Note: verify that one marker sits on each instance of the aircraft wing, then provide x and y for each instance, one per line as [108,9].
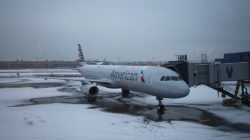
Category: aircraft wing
[105,82]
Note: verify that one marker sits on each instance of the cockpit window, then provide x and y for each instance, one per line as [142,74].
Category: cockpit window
[163,78]
[174,78]
[167,78]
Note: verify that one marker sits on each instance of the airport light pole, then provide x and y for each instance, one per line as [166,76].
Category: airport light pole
[119,60]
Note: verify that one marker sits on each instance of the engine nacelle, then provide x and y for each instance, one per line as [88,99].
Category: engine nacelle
[90,89]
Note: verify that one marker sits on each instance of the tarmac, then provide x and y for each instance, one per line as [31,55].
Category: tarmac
[114,103]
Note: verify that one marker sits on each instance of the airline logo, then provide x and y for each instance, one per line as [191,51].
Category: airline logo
[127,76]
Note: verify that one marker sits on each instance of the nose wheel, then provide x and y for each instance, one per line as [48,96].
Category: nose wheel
[161,108]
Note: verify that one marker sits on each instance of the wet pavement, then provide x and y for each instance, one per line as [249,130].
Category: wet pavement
[114,103]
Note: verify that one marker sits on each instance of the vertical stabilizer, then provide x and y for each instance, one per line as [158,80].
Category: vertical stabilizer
[81,57]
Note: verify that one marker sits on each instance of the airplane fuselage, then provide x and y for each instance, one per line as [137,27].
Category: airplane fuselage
[156,81]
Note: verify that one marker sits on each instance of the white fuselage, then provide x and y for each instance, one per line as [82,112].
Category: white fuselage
[156,81]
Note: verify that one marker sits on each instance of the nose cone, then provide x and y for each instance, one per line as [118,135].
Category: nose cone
[183,89]
[171,89]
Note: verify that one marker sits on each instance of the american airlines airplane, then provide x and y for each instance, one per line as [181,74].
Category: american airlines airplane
[156,81]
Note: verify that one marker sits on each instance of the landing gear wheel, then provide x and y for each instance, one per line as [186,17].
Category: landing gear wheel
[125,93]
[91,99]
[161,108]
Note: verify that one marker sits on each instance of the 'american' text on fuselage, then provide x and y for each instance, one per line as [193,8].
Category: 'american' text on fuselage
[124,75]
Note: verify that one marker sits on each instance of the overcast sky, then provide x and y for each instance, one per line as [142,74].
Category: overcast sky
[135,30]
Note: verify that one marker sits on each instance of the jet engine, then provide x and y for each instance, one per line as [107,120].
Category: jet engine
[91,90]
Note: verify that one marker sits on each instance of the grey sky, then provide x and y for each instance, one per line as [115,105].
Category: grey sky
[130,29]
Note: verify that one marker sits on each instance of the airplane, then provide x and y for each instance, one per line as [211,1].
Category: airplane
[156,81]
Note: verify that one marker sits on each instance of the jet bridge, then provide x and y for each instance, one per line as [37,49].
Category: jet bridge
[221,75]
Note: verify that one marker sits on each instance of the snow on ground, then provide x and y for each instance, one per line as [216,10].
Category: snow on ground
[10,80]
[80,121]
[77,121]
[36,72]
[41,80]
[28,80]
[13,96]
[63,121]
[205,98]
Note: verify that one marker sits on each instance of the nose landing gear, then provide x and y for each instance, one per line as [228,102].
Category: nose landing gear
[161,108]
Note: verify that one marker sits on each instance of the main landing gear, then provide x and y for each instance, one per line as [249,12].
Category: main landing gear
[91,98]
[161,108]
[125,93]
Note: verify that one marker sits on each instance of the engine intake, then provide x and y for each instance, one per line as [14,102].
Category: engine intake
[91,89]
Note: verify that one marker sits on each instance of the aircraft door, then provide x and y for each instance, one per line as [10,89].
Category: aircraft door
[150,76]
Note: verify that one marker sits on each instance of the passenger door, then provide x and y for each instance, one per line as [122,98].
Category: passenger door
[149,77]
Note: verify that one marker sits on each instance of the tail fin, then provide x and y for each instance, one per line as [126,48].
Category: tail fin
[81,57]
